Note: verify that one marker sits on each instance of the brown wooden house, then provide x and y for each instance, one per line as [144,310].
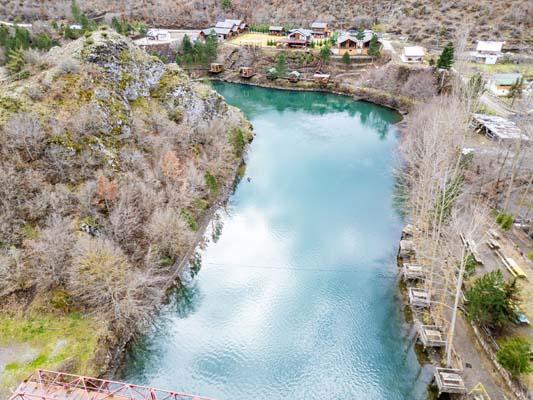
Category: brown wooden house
[299,38]
[246,72]
[347,44]
[216,68]
[276,30]
[320,30]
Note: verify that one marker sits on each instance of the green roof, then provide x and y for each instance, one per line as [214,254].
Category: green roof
[506,79]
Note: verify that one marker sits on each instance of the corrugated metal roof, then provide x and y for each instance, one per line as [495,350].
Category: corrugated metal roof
[319,25]
[489,46]
[414,51]
[506,79]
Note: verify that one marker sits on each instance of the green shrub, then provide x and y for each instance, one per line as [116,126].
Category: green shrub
[211,183]
[514,356]
[236,139]
[189,218]
[505,220]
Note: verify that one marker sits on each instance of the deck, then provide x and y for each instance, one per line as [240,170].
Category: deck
[50,385]
[449,381]
[431,335]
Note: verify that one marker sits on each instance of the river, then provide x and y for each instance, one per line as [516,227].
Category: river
[296,296]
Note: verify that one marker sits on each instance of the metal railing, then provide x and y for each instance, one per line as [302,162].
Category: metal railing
[50,385]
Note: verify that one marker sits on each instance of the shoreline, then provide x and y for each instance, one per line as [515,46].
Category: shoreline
[395,103]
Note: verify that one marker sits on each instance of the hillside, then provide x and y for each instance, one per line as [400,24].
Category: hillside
[109,163]
[430,21]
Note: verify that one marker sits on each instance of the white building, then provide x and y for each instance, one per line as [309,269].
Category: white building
[158,34]
[413,54]
[488,52]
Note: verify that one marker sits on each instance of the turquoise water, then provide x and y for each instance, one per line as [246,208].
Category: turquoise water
[297,299]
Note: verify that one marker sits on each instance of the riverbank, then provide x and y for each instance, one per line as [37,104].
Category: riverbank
[127,160]
[400,104]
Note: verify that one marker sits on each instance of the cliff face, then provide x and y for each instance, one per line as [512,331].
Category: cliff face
[422,20]
[109,159]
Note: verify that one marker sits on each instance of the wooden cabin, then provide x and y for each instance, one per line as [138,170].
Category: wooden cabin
[321,79]
[449,380]
[294,76]
[216,68]
[299,38]
[419,297]
[320,30]
[276,30]
[246,72]
[347,44]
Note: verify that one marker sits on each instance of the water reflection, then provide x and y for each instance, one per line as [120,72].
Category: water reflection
[296,297]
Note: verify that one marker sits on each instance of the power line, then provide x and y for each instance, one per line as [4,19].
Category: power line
[300,268]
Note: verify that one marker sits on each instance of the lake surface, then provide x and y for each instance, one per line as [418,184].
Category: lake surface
[297,298]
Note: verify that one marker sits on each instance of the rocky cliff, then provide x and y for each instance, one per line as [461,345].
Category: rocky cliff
[109,161]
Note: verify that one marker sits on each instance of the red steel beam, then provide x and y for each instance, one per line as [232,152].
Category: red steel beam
[51,385]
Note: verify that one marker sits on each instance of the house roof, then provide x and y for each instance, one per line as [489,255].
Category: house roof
[156,32]
[237,22]
[489,46]
[218,31]
[319,25]
[350,35]
[304,32]
[225,24]
[345,37]
[275,28]
[414,51]
[506,79]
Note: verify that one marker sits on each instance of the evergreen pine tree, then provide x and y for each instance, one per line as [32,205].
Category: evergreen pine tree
[346,58]
[446,58]
[325,53]
[373,49]
[186,45]
[281,66]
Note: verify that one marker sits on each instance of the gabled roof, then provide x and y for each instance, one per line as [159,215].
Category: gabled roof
[218,31]
[237,22]
[275,28]
[345,37]
[351,35]
[304,32]
[489,46]
[414,51]
[506,79]
[319,25]
[156,32]
[225,24]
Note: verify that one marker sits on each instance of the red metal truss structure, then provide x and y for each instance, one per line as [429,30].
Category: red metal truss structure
[50,385]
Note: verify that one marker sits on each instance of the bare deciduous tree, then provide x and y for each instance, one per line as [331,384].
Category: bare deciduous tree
[23,132]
